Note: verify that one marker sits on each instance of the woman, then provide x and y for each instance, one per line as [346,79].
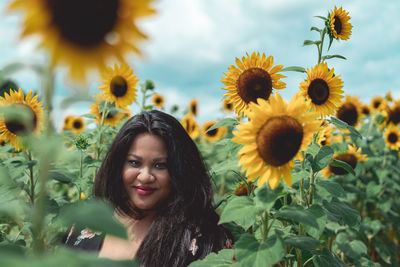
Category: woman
[155,177]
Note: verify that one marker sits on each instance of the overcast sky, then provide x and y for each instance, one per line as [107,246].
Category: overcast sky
[192,42]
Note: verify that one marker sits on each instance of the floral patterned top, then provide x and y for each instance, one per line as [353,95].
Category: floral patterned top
[88,240]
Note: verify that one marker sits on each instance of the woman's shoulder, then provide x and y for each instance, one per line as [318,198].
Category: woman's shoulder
[83,238]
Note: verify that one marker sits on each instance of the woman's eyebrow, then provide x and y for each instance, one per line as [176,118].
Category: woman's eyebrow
[140,158]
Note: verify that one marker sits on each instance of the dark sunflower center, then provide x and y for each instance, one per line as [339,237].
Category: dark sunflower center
[229,106]
[77,124]
[348,158]
[392,138]
[84,23]
[318,91]
[158,100]
[365,110]
[394,115]
[348,113]
[193,109]
[212,132]
[377,103]
[337,25]
[2,143]
[118,86]
[19,127]
[323,143]
[279,140]
[254,83]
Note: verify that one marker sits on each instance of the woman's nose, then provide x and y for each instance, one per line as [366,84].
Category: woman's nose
[145,175]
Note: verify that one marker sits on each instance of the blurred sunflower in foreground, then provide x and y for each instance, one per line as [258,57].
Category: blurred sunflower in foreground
[85,34]
[392,137]
[339,25]
[119,85]
[191,126]
[12,129]
[352,156]
[254,77]
[273,138]
[215,134]
[158,100]
[323,89]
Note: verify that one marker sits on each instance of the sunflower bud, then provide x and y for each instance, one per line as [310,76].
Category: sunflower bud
[149,85]
[81,142]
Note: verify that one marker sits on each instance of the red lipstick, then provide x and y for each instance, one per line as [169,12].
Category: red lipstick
[144,190]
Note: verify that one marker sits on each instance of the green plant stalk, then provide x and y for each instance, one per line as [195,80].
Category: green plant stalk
[104,114]
[31,180]
[312,178]
[299,252]
[371,123]
[143,98]
[322,35]
[301,185]
[39,210]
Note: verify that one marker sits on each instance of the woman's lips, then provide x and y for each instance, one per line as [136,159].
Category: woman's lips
[144,191]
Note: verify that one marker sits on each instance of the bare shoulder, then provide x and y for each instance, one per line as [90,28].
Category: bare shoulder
[118,249]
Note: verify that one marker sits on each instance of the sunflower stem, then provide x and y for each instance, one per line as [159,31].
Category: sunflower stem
[312,178]
[371,123]
[31,180]
[142,106]
[322,35]
[39,210]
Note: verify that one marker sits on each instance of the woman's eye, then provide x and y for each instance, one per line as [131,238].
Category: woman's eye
[161,165]
[134,163]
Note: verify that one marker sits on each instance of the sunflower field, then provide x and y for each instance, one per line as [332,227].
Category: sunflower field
[309,181]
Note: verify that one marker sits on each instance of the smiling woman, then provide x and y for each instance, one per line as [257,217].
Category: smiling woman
[154,175]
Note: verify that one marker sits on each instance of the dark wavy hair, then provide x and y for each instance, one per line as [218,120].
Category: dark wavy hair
[187,208]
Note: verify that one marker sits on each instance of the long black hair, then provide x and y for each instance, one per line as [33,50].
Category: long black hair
[186,210]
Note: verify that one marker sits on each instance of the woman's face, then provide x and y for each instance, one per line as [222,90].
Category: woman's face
[145,173]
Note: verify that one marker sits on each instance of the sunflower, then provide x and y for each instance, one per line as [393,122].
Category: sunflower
[2,142]
[350,110]
[323,89]
[378,104]
[273,137]
[158,100]
[85,34]
[67,122]
[351,157]
[77,125]
[226,105]
[13,130]
[325,137]
[392,137]
[253,78]
[365,110]
[119,85]
[394,113]
[191,126]
[193,109]
[339,25]
[213,135]
[113,116]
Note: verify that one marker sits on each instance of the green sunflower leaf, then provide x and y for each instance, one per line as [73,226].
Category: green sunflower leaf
[333,56]
[322,159]
[327,258]
[240,210]
[321,219]
[93,214]
[344,211]
[224,258]
[338,123]
[224,122]
[321,17]
[294,68]
[344,165]
[298,214]
[251,253]
[315,29]
[302,242]
[354,132]
[309,42]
